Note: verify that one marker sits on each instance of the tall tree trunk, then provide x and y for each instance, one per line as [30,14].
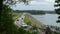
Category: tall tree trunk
[1,5]
[1,11]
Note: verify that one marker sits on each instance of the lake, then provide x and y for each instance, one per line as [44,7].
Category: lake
[48,19]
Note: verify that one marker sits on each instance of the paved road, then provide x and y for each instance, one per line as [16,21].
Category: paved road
[19,21]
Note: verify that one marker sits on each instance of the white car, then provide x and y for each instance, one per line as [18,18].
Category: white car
[24,25]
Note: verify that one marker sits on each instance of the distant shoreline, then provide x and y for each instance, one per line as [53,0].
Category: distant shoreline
[35,12]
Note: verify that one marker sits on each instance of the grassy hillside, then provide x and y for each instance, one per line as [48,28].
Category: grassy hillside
[32,21]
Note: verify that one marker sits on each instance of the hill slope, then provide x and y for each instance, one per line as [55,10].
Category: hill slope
[32,21]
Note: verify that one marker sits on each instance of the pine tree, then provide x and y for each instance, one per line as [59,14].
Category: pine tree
[6,24]
[57,9]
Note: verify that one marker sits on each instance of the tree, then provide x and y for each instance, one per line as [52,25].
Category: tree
[6,22]
[57,9]
[48,31]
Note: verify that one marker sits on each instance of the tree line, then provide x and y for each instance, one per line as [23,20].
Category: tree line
[35,12]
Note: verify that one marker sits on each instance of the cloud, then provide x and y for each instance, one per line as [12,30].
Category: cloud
[38,3]
[50,1]
[45,2]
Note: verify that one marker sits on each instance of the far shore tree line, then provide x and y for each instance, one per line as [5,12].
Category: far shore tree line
[35,12]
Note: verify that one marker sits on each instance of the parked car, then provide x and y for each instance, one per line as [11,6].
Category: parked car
[24,25]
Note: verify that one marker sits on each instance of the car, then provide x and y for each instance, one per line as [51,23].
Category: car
[24,25]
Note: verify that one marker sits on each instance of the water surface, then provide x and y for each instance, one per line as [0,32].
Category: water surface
[48,19]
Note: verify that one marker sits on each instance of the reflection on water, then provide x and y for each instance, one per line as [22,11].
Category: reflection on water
[47,19]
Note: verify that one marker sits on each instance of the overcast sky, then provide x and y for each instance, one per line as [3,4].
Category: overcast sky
[35,5]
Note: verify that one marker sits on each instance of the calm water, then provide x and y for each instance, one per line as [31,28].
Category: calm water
[48,19]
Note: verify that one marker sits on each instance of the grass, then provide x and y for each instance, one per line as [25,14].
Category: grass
[32,21]
[16,15]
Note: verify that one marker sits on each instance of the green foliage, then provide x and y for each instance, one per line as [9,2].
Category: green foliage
[6,22]
[56,33]
[58,9]
[27,21]
[34,27]
[34,33]
[22,31]
[13,2]
[35,12]
[57,5]
[57,1]
[58,21]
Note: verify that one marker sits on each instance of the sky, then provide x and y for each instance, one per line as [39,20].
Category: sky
[35,5]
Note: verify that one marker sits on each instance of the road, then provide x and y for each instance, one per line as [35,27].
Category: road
[19,21]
